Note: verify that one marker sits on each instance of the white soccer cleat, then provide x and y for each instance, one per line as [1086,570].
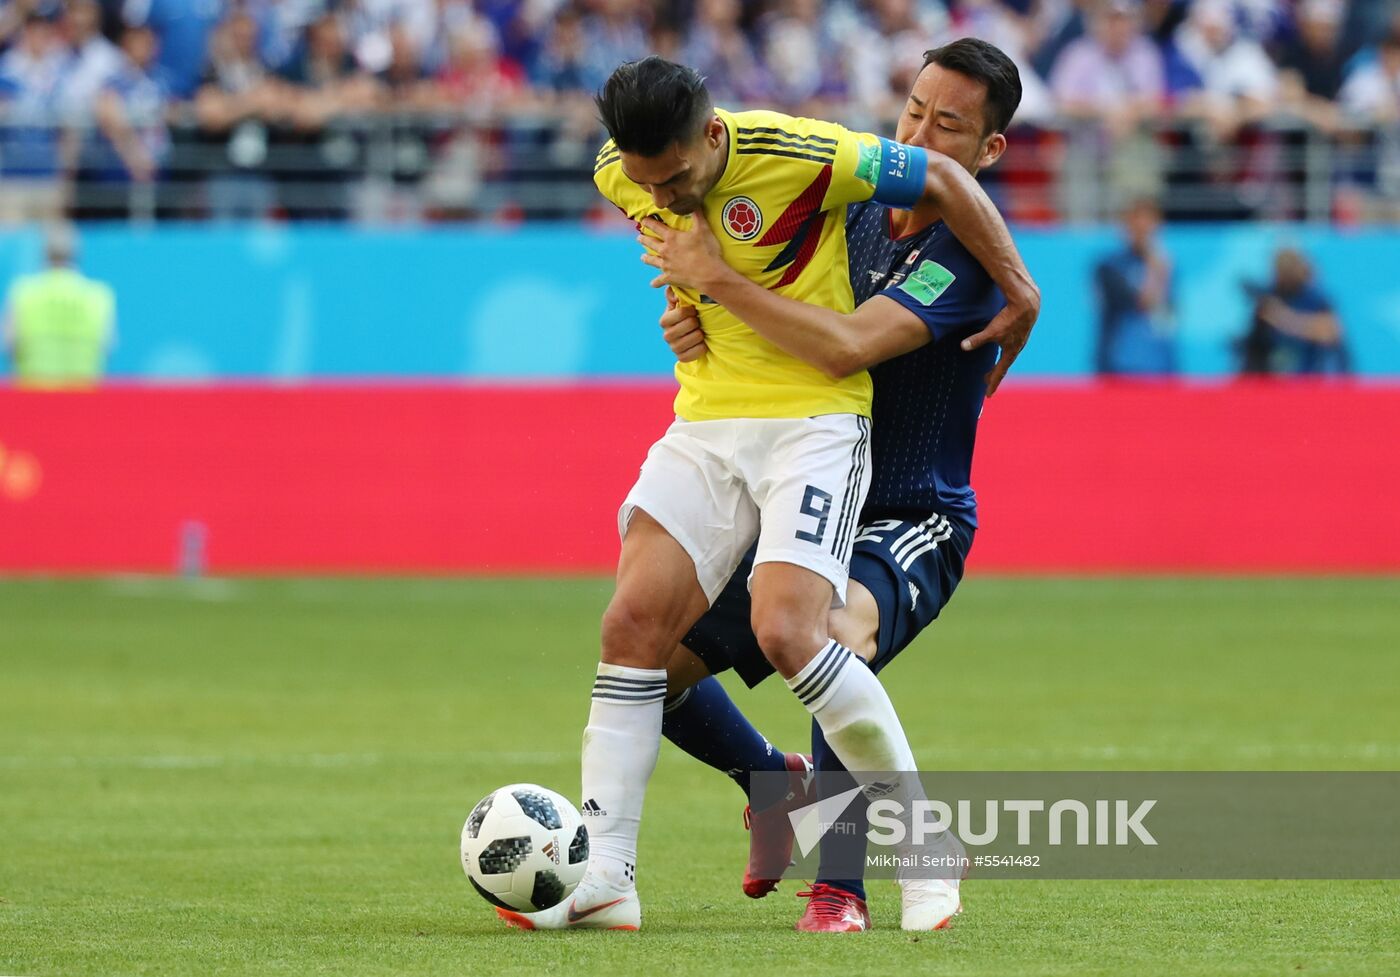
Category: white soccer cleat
[595,905]
[929,904]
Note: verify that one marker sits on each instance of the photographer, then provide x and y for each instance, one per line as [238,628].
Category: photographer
[1294,329]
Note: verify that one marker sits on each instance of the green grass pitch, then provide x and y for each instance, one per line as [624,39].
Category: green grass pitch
[269,776]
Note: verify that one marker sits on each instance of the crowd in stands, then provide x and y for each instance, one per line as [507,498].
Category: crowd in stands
[112,88]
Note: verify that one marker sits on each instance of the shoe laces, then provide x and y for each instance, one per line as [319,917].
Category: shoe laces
[828,902]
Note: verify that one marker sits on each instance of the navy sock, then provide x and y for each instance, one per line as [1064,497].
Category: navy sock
[840,852]
[704,722]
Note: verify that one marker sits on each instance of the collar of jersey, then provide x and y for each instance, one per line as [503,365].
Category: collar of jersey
[895,239]
[729,167]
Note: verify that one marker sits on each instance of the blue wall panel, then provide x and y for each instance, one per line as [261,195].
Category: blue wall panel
[290,303]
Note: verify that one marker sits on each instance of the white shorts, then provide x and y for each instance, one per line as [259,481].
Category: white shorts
[797,485]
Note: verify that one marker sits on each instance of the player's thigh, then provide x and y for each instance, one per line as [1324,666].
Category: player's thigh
[857,624]
[683,669]
[723,638]
[809,483]
[688,485]
[657,597]
[910,568]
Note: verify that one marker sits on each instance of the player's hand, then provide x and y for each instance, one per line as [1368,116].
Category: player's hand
[687,258]
[680,327]
[1010,330]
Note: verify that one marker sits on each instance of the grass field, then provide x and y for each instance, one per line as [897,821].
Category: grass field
[269,777]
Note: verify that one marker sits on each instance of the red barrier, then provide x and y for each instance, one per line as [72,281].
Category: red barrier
[513,479]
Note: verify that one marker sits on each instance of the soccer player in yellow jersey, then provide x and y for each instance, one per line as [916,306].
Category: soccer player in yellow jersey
[764,447]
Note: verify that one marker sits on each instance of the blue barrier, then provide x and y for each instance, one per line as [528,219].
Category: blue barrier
[564,301]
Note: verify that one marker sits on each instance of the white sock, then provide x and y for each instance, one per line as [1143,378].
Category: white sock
[620,746]
[854,711]
[859,722]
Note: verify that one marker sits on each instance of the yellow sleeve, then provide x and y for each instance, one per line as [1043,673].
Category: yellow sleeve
[867,166]
[854,172]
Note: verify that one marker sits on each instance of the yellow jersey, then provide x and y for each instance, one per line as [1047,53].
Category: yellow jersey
[778,212]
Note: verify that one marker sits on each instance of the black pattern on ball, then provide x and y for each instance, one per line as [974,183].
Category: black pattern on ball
[478,814]
[548,890]
[504,855]
[488,896]
[539,808]
[578,848]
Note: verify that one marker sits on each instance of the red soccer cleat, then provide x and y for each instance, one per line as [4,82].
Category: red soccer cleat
[832,910]
[770,831]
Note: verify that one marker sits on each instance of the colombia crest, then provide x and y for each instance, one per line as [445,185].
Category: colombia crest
[741,218]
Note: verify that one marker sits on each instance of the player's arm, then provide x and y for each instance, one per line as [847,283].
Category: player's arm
[978,226]
[906,176]
[838,344]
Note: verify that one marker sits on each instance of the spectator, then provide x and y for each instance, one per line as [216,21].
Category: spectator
[562,67]
[1057,25]
[882,56]
[477,78]
[801,57]
[185,29]
[132,108]
[521,25]
[1312,61]
[95,61]
[1311,64]
[993,21]
[236,107]
[614,31]
[327,73]
[449,16]
[31,79]
[1221,77]
[561,79]
[59,324]
[1114,73]
[1112,78]
[1294,329]
[378,27]
[1372,91]
[1134,287]
[1363,22]
[282,27]
[1371,97]
[402,76]
[717,47]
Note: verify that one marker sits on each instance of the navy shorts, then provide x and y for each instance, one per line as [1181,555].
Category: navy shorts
[911,567]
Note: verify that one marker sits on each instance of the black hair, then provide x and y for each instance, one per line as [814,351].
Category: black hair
[647,105]
[988,64]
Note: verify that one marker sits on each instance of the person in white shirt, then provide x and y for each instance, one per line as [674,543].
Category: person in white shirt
[95,62]
[1238,84]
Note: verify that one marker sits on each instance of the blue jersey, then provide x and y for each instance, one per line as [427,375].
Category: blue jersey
[927,401]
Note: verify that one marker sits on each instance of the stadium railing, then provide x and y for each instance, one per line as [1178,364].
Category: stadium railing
[392,167]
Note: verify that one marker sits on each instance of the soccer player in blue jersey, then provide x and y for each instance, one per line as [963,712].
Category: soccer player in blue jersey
[922,328]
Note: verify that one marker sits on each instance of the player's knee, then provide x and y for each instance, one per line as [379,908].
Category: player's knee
[789,641]
[633,635]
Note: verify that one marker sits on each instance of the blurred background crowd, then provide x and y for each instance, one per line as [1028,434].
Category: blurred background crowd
[389,110]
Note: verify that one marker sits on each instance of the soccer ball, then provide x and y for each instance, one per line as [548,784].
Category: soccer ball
[524,847]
